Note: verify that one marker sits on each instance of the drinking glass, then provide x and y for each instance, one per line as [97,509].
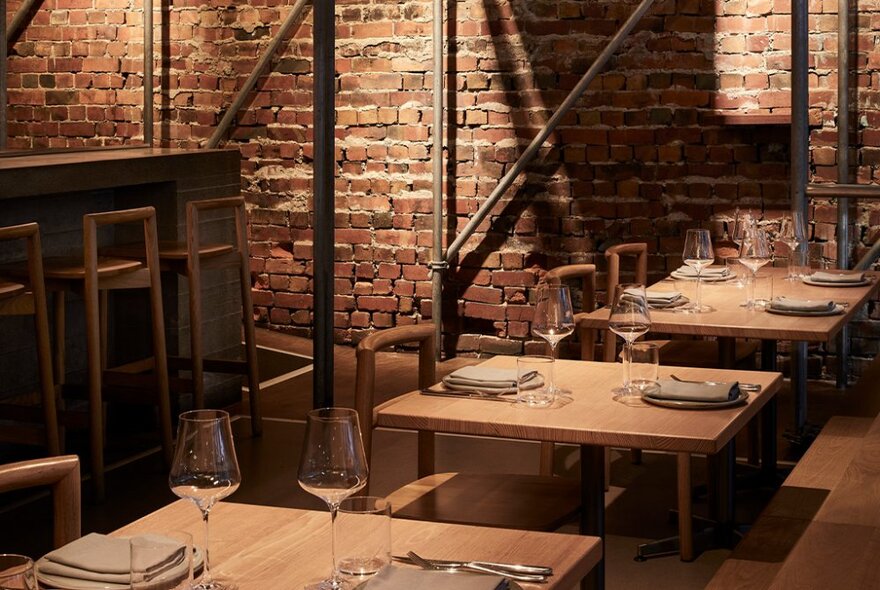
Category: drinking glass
[205,470]
[532,370]
[698,254]
[645,365]
[629,319]
[554,318]
[333,466]
[17,572]
[793,233]
[754,252]
[364,536]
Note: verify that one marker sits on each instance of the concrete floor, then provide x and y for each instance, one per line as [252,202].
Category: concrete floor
[637,503]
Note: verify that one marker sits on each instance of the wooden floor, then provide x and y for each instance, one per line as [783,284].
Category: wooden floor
[637,502]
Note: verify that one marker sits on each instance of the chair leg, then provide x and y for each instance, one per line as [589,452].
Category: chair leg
[105,330]
[685,507]
[96,410]
[250,343]
[47,384]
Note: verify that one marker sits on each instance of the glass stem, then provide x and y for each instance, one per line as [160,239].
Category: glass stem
[698,306]
[627,364]
[334,576]
[750,290]
[551,376]
[206,568]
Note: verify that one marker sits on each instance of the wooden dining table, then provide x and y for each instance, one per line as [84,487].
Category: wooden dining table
[267,547]
[591,418]
[730,320]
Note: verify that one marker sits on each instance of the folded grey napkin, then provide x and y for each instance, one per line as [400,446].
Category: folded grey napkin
[662,296]
[837,277]
[790,304]
[709,271]
[102,558]
[398,578]
[488,379]
[697,392]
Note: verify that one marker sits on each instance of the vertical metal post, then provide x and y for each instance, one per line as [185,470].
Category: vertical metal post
[148,72]
[3,99]
[799,147]
[438,265]
[843,205]
[324,40]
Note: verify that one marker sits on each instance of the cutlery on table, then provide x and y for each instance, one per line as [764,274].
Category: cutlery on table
[467,393]
[754,387]
[473,567]
[540,570]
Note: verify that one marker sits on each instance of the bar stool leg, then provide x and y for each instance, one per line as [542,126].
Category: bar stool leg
[194,279]
[247,313]
[60,368]
[160,350]
[96,410]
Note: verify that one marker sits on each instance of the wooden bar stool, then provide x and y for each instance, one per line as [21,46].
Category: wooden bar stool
[29,298]
[188,259]
[94,276]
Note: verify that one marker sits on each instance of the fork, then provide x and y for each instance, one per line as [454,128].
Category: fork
[427,565]
[755,387]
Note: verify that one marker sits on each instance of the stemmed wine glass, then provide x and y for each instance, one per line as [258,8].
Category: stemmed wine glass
[629,319]
[554,319]
[754,252]
[205,470]
[698,254]
[792,233]
[333,466]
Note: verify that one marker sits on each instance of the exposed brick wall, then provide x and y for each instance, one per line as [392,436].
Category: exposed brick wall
[642,157]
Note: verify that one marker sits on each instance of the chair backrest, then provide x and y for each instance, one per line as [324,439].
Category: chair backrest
[365,382]
[62,474]
[587,273]
[612,255]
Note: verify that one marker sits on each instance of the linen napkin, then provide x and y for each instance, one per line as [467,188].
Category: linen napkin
[837,277]
[662,296]
[102,558]
[697,392]
[790,304]
[709,271]
[488,379]
[398,578]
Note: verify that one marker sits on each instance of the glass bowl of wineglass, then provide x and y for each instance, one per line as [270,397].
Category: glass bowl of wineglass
[698,254]
[754,252]
[554,319]
[333,466]
[630,320]
[204,471]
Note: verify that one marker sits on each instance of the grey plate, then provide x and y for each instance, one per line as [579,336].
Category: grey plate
[809,281]
[836,310]
[693,405]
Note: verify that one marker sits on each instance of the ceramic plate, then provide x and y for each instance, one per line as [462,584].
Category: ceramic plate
[706,279]
[694,405]
[63,583]
[836,310]
[862,283]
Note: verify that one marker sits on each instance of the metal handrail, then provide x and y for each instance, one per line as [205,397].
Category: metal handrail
[233,109]
[844,191]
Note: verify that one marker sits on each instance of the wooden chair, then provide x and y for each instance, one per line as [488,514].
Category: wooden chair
[531,502]
[686,353]
[62,474]
[30,299]
[94,276]
[188,259]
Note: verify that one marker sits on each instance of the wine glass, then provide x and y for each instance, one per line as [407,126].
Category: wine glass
[629,319]
[698,254]
[333,466]
[754,252]
[793,233]
[554,319]
[205,470]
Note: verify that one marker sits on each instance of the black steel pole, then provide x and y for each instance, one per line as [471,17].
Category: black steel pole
[3,99]
[324,41]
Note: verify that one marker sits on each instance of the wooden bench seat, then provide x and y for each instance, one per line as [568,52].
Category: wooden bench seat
[808,525]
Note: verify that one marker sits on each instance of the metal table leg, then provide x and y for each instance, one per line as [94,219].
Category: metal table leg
[593,507]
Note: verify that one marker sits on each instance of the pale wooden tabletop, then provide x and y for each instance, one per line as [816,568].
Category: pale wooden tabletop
[591,416]
[730,319]
[265,547]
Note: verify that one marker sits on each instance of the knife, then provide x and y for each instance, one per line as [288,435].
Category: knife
[468,395]
[538,570]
